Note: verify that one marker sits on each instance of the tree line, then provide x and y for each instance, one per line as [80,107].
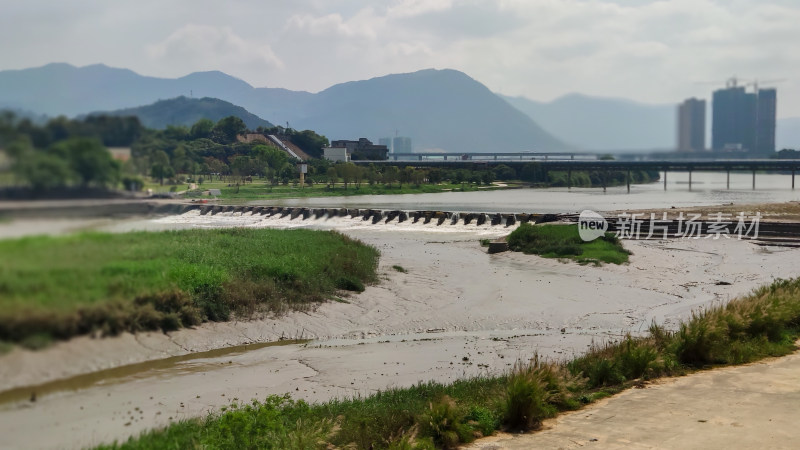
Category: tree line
[73,152]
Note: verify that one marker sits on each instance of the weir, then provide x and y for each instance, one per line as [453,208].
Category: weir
[373,216]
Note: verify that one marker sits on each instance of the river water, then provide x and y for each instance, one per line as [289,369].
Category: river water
[708,188]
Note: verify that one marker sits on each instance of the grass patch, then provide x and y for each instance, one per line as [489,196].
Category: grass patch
[434,415]
[400,269]
[59,287]
[563,241]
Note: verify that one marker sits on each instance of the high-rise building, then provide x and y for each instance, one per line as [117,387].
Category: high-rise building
[765,129]
[385,141]
[692,125]
[402,144]
[744,121]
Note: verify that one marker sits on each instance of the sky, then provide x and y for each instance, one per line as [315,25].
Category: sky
[642,50]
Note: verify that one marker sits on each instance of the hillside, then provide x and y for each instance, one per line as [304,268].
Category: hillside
[598,124]
[438,109]
[186,111]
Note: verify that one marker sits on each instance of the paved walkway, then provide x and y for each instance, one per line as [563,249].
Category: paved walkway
[753,406]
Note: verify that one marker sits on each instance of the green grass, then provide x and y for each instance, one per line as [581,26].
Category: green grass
[563,241]
[78,284]
[435,415]
[400,269]
[261,190]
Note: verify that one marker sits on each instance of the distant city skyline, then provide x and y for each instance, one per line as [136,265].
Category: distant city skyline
[656,52]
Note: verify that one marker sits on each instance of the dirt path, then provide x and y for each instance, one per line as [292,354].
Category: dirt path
[753,406]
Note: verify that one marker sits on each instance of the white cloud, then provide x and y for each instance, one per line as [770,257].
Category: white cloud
[205,47]
[412,8]
[646,50]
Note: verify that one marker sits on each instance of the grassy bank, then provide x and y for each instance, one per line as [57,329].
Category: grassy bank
[59,287]
[261,190]
[563,241]
[433,415]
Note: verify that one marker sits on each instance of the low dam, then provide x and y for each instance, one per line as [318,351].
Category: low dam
[375,216]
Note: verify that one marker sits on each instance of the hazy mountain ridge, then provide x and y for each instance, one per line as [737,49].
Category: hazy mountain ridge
[601,124]
[442,109]
[186,111]
[437,108]
[787,133]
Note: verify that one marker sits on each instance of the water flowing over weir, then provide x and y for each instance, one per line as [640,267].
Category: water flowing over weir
[302,217]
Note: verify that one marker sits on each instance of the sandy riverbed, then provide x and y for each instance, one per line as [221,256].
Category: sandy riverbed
[455,301]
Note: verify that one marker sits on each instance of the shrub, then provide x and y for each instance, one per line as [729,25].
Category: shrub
[444,423]
[527,397]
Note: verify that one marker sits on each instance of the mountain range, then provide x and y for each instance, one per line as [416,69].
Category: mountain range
[439,109]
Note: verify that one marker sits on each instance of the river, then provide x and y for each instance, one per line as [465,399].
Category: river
[455,302]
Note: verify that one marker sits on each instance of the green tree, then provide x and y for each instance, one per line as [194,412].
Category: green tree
[226,130]
[504,172]
[390,175]
[347,172]
[332,176]
[435,176]
[202,129]
[161,167]
[90,160]
[43,170]
[310,142]
[269,156]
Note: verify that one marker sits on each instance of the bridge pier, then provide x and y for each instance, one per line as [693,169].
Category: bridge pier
[628,180]
[792,179]
[690,180]
[754,179]
[605,174]
[665,178]
[728,180]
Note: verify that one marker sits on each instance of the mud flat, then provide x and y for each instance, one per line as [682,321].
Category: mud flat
[456,301]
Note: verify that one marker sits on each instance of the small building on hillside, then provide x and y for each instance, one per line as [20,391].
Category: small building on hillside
[362,149]
[121,154]
[336,154]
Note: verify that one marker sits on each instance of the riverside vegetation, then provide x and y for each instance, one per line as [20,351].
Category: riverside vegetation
[563,241]
[69,157]
[434,415]
[59,287]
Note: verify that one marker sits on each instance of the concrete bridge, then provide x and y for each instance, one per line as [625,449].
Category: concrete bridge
[493,156]
[666,166]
